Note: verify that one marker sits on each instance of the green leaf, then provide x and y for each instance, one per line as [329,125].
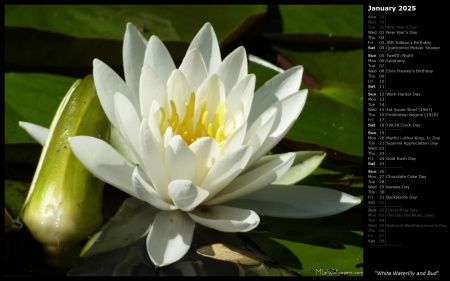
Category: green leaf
[66,38]
[335,160]
[262,69]
[57,53]
[333,113]
[31,97]
[129,223]
[348,183]
[21,160]
[108,21]
[328,123]
[334,242]
[11,224]
[15,194]
[319,28]
[314,43]
[334,20]
[339,74]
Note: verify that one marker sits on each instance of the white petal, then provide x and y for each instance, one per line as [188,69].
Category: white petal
[213,92]
[147,193]
[37,132]
[179,91]
[154,118]
[234,122]
[206,42]
[206,152]
[226,219]
[134,45]
[288,111]
[277,88]
[260,129]
[151,88]
[180,160]
[233,68]
[261,174]
[236,139]
[241,96]
[128,122]
[186,195]
[121,146]
[104,162]
[264,63]
[297,201]
[168,135]
[170,237]
[194,69]
[153,158]
[226,169]
[158,58]
[304,164]
[108,83]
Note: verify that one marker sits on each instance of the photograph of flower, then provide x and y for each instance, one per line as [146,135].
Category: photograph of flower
[140,141]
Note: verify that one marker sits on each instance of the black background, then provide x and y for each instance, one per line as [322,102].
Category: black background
[418,250]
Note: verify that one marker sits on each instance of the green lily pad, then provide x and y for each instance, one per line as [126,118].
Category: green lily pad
[15,194]
[338,74]
[335,20]
[345,182]
[315,245]
[319,28]
[332,116]
[66,38]
[333,113]
[108,21]
[21,160]
[11,224]
[130,223]
[31,97]
[262,72]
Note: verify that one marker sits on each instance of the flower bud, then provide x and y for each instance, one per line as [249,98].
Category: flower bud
[64,203]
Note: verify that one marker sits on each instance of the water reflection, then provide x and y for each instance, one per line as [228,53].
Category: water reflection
[132,260]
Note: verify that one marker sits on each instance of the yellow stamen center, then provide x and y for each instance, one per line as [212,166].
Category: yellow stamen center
[191,130]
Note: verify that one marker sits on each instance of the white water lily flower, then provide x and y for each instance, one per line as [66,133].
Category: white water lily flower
[192,140]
